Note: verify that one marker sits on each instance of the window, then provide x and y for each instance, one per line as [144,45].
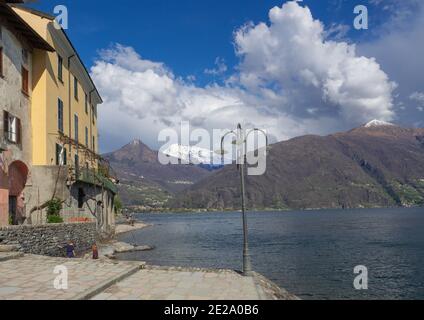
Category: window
[76,127]
[1,62]
[86,104]
[86,137]
[60,68]
[93,114]
[75,88]
[60,115]
[12,128]
[94,144]
[25,56]
[60,155]
[25,80]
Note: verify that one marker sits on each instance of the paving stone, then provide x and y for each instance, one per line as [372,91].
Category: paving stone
[185,285]
[32,277]
[4,291]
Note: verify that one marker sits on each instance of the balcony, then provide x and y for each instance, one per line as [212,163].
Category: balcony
[95,177]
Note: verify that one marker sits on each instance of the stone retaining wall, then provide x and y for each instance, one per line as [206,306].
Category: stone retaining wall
[50,239]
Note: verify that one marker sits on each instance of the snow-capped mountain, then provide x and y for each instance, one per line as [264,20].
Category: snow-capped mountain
[377,123]
[196,155]
[363,167]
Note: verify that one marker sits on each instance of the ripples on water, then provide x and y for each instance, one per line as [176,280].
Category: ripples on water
[311,254]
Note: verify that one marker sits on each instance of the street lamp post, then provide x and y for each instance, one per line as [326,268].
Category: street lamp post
[241,142]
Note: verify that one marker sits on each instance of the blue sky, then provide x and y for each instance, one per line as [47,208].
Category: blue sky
[187,35]
[179,41]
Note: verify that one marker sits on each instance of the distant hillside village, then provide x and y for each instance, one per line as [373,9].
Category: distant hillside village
[50,169]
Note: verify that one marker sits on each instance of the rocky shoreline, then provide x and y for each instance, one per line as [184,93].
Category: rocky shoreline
[108,249]
[124,228]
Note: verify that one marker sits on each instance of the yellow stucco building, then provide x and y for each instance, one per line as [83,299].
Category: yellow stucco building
[64,99]
[62,121]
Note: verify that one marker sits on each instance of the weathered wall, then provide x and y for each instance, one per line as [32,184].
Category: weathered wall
[43,187]
[12,98]
[50,239]
[99,203]
[17,104]
[45,180]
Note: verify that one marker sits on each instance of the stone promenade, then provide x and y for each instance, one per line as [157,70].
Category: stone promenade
[31,277]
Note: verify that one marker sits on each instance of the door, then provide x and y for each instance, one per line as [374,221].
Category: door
[77,168]
[13,205]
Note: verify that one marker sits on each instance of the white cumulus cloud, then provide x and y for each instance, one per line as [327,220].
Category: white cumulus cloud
[417,96]
[290,81]
[220,67]
[292,56]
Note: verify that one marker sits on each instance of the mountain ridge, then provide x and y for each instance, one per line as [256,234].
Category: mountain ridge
[377,165]
[146,182]
[369,166]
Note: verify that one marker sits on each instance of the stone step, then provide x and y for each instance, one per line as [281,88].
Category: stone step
[9,248]
[5,256]
[132,268]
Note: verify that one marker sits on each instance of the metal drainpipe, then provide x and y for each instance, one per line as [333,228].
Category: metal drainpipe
[69,105]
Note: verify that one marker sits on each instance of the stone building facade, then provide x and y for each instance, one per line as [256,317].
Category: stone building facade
[48,127]
[16,47]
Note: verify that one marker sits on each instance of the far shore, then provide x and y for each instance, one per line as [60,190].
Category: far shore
[223,211]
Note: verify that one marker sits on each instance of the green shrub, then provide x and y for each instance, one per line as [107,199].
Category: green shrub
[53,207]
[54,219]
[53,211]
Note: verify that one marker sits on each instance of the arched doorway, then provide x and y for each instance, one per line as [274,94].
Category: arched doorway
[4,196]
[18,174]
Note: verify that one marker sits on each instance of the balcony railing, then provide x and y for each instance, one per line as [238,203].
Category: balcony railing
[94,177]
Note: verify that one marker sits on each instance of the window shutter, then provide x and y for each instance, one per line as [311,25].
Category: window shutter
[6,122]
[76,127]
[25,79]
[60,67]
[18,131]
[75,87]
[60,115]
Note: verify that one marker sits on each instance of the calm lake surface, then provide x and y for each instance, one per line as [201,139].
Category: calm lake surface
[311,254]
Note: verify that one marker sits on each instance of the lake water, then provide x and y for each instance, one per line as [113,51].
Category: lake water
[311,254]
